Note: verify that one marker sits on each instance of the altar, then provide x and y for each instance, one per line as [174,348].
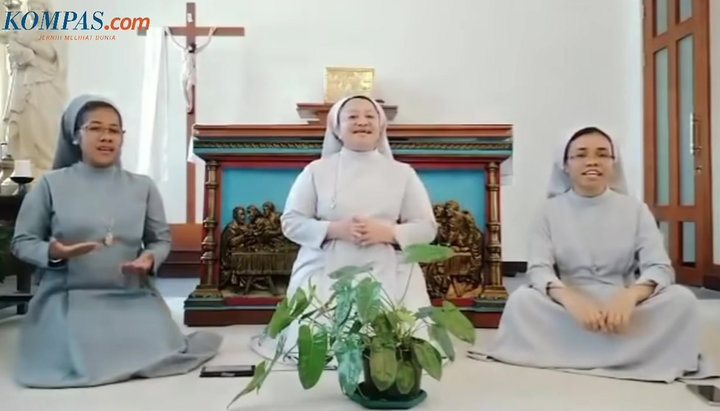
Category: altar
[249,169]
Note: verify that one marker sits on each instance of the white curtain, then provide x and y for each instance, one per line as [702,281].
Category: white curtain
[152,153]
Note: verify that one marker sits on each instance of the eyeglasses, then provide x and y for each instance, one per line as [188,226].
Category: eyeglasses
[97,131]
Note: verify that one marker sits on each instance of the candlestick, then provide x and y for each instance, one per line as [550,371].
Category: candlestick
[22,175]
[23,168]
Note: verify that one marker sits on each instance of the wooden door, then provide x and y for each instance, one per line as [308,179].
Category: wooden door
[677,130]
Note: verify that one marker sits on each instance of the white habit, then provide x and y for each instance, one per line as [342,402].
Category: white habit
[340,185]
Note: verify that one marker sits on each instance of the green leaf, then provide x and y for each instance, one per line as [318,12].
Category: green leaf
[261,372]
[382,326]
[341,284]
[405,376]
[455,321]
[344,293]
[343,289]
[393,319]
[313,355]
[349,355]
[349,271]
[300,303]
[383,364]
[368,299]
[425,312]
[427,253]
[440,334]
[343,308]
[279,349]
[428,357]
[405,316]
[280,320]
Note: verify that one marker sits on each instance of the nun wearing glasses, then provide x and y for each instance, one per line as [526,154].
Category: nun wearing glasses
[95,232]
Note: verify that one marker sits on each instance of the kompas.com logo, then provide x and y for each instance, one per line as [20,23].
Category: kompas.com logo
[71,20]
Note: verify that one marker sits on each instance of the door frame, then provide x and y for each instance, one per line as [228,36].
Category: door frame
[698,25]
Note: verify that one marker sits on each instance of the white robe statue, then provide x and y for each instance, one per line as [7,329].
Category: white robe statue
[37,94]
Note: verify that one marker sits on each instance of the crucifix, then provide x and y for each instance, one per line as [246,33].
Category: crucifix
[190,31]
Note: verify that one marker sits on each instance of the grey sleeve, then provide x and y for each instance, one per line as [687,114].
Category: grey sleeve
[156,234]
[31,241]
[654,262]
[541,259]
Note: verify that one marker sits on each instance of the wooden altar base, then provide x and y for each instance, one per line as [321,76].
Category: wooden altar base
[236,154]
[481,313]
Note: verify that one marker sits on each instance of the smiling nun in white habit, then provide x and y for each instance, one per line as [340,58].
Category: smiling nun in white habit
[356,205]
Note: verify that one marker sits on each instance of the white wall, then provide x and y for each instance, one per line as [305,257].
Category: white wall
[715,122]
[548,67]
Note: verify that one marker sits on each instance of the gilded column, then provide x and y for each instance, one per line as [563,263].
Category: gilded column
[207,291]
[493,284]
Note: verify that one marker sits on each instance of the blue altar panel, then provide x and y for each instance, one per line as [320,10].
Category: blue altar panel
[248,186]
[467,187]
[253,186]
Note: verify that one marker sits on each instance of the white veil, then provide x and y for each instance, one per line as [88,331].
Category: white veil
[332,143]
[560,180]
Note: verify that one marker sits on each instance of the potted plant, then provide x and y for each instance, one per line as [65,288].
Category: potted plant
[369,335]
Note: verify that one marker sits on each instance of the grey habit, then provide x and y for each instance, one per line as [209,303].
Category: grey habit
[88,323]
[597,243]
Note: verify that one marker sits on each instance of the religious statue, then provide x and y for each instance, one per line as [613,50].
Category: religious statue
[255,257]
[189,73]
[233,235]
[37,93]
[460,276]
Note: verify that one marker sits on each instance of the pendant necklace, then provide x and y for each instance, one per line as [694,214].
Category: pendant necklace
[109,222]
[108,240]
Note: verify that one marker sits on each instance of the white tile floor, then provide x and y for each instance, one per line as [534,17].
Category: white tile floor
[466,384]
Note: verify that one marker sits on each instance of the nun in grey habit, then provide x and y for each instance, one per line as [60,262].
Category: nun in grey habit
[594,245]
[92,322]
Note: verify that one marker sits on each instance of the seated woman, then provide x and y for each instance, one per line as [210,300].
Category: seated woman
[353,206]
[95,232]
[593,315]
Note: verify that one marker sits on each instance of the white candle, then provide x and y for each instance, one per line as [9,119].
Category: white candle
[23,168]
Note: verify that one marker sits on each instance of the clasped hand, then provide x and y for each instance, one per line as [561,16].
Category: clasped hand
[613,317]
[363,231]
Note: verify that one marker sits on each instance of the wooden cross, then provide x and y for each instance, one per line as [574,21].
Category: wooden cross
[191,31]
